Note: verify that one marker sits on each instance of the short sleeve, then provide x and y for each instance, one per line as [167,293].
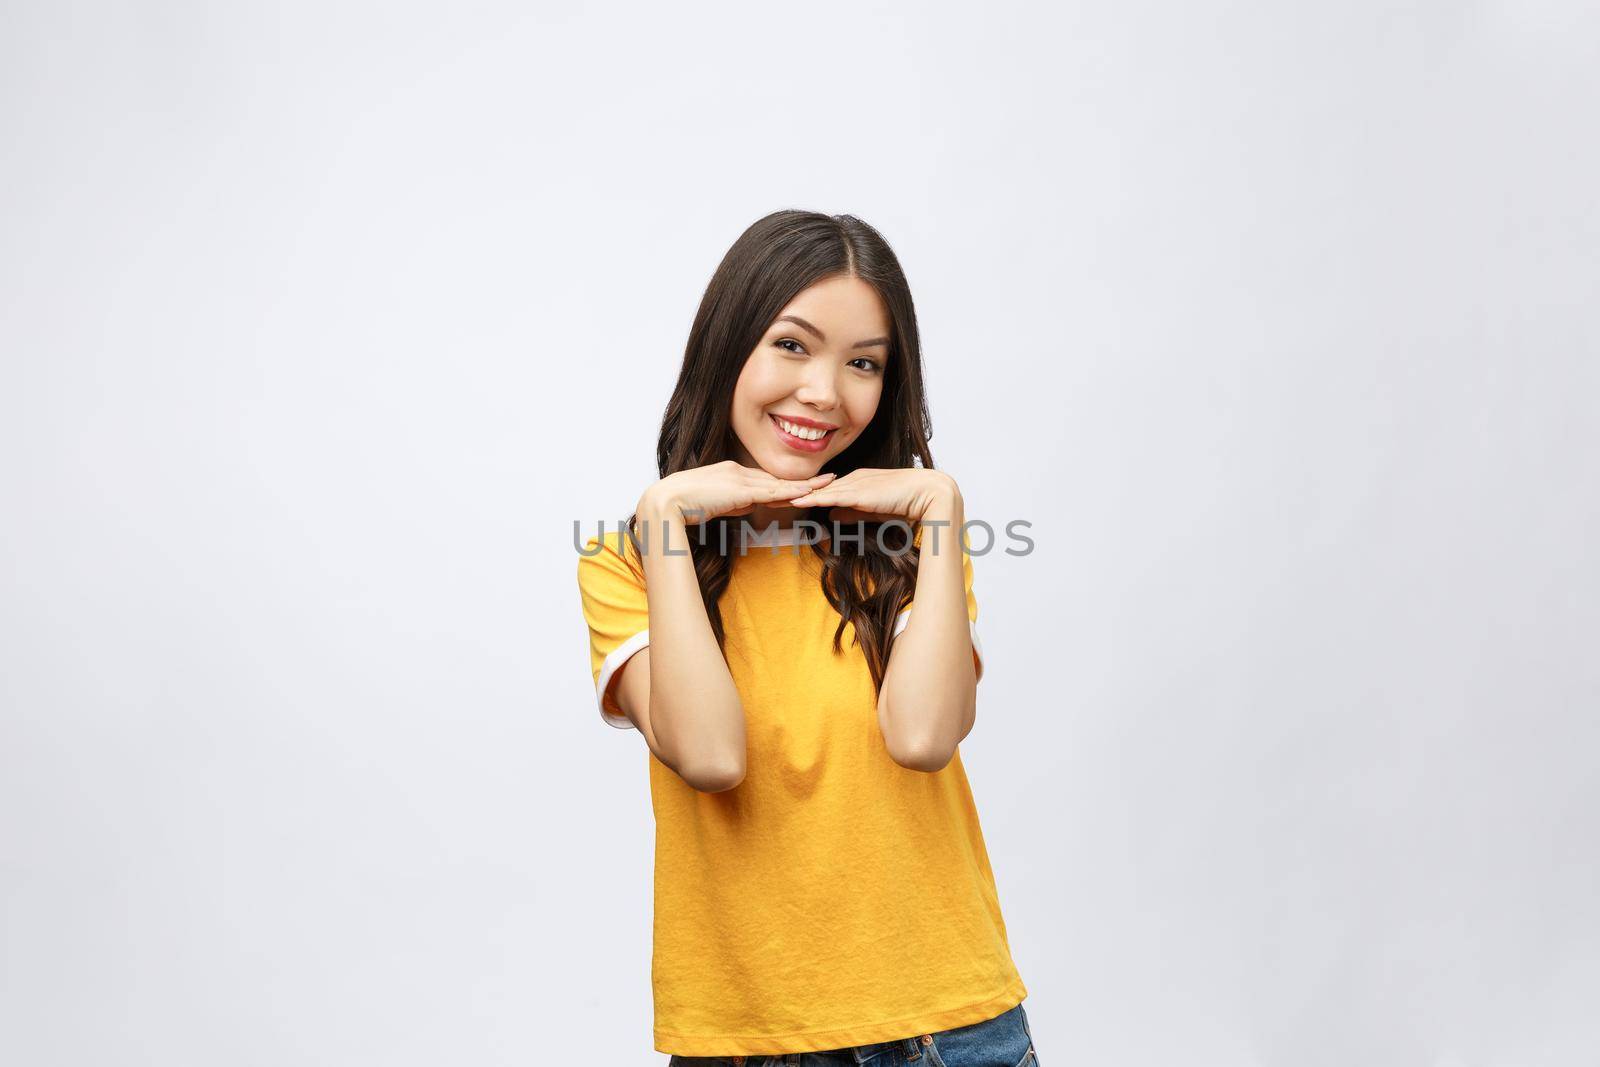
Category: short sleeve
[611,584]
[972,607]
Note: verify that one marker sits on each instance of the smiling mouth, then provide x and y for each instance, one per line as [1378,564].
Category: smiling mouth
[804,436]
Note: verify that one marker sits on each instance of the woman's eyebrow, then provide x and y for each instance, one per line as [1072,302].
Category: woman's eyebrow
[798,321]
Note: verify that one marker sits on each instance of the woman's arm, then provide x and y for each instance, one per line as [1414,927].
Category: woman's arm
[678,690]
[928,701]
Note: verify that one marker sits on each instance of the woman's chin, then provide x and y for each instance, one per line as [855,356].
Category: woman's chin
[791,471]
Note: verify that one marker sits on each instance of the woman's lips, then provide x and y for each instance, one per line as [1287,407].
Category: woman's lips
[800,444]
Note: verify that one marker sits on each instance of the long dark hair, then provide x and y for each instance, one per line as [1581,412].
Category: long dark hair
[776,258]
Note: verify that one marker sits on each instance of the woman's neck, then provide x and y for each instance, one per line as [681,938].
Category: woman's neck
[764,517]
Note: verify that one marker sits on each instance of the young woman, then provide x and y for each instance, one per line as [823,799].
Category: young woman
[802,670]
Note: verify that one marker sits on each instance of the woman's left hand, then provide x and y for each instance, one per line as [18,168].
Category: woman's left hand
[879,494]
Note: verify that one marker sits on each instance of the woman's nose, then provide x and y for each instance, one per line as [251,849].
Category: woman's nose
[818,389]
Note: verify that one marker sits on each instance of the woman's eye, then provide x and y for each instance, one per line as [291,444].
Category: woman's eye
[872,365]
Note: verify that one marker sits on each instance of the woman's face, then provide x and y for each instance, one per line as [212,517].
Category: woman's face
[820,365]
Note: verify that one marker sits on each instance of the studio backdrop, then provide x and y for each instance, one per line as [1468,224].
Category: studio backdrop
[328,331]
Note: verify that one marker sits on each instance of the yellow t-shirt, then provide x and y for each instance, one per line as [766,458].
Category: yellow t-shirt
[834,897]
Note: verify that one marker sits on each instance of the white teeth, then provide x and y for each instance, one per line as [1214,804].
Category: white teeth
[803,432]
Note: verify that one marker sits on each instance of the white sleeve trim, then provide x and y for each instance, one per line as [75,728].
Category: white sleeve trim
[904,617]
[612,664]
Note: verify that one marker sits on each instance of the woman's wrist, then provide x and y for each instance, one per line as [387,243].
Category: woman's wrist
[658,505]
[942,498]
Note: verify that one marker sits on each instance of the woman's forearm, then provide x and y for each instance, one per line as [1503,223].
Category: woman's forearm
[929,696]
[695,710]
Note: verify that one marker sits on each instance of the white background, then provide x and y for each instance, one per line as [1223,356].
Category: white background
[322,323]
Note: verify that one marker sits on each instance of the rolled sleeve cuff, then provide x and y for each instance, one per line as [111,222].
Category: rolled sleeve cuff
[609,712]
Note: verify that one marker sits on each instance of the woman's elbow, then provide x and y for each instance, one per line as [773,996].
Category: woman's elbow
[926,753]
[713,776]
[711,761]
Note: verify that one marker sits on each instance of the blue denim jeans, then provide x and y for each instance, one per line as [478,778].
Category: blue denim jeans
[1004,1041]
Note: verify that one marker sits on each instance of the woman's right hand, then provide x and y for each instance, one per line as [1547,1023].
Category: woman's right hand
[699,494]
